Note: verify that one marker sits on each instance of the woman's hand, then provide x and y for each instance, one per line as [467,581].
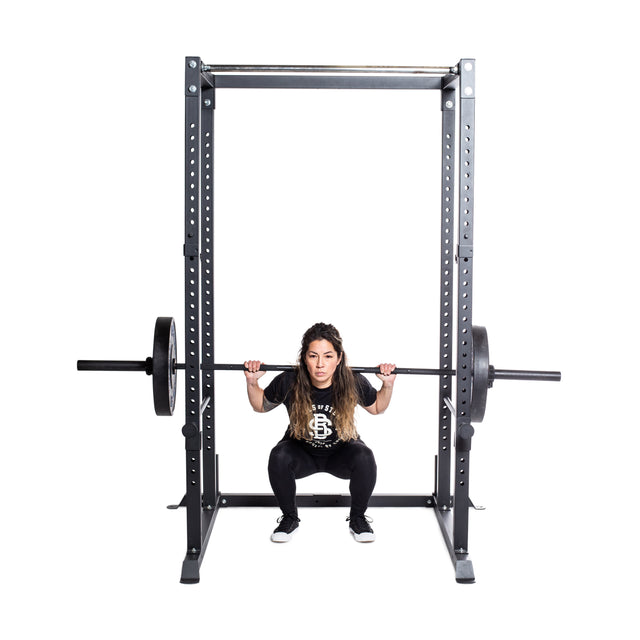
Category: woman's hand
[383,395]
[386,375]
[252,370]
[256,394]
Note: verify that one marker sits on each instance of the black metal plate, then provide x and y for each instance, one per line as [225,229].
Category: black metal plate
[480,377]
[164,370]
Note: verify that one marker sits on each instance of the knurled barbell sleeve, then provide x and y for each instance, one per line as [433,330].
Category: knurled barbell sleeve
[112,365]
[513,374]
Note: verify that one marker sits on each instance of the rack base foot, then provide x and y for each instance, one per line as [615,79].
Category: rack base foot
[191,569]
[464,571]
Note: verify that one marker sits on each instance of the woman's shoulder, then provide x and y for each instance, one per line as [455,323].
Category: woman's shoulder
[361,380]
[365,390]
[278,389]
[285,379]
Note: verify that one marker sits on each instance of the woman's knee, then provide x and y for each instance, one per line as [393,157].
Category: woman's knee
[281,456]
[362,457]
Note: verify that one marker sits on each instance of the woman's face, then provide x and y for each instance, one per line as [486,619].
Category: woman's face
[321,360]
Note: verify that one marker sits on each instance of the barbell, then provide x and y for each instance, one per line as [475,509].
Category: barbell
[163,367]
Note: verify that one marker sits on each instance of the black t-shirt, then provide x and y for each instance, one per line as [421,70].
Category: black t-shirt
[325,436]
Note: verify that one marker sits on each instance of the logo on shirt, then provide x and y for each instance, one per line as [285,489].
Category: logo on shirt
[320,425]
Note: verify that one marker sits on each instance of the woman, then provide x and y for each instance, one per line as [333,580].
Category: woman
[321,396]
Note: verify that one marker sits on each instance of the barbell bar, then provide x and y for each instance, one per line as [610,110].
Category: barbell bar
[494,374]
[163,367]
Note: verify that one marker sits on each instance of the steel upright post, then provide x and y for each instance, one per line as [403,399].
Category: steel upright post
[209,460]
[445,419]
[191,429]
[464,430]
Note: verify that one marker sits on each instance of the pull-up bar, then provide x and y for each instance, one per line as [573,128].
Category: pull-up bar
[252,68]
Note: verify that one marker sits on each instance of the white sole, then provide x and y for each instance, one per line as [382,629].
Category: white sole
[366,536]
[281,536]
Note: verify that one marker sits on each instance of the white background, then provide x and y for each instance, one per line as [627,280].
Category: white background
[327,210]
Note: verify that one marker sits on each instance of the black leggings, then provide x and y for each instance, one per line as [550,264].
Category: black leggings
[352,461]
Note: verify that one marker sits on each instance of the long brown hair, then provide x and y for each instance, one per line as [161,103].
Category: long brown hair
[344,394]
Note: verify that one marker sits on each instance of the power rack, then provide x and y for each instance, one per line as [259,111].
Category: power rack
[473,373]
[457,87]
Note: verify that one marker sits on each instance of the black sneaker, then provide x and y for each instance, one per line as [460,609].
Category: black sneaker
[286,528]
[359,527]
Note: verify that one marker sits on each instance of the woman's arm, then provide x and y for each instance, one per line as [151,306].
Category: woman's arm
[255,393]
[383,397]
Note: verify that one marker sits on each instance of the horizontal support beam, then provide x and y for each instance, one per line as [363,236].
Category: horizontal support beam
[257,68]
[327,82]
[325,500]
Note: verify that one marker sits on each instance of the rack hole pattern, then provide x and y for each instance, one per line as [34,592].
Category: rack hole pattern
[447,271]
[192,242]
[465,273]
[465,301]
[208,100]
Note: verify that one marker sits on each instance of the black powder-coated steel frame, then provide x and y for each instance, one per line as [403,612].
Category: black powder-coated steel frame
[203,497]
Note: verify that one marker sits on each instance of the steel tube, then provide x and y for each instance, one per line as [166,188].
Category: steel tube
[413,82]
[450,406]
[252,68]
[112,365]
[496,374]
[512,374]
[288,367]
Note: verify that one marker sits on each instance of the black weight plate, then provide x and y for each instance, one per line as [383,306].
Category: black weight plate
[480,368]
[164,371]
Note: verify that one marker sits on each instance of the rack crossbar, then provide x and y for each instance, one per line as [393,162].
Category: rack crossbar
[327,82]
[325,500]
[256,68]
